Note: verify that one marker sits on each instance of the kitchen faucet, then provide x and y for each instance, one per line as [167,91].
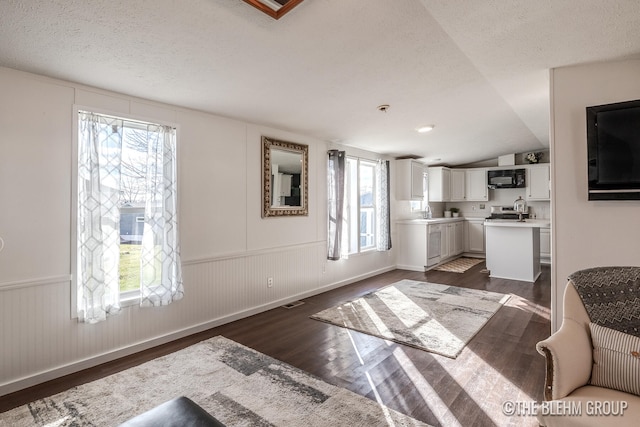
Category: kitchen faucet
[427,212]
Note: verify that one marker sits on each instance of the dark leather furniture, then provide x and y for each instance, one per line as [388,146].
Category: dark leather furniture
[179,412]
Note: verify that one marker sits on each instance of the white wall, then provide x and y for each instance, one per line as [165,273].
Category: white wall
[586,234]
[228,250]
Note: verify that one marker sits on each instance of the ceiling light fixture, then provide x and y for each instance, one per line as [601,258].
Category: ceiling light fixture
[425,129]
[383,108]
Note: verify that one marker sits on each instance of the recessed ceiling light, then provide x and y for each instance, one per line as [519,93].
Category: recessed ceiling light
[425,129]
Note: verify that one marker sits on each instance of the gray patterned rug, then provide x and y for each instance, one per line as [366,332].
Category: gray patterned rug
[437,318]
[237,385]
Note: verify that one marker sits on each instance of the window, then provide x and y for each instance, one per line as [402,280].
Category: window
[361,207]
[127,238]
[421,205]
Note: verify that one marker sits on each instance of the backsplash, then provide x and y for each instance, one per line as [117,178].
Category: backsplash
[502,197]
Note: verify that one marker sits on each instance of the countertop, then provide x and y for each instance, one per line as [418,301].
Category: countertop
[430,220]
[530,223]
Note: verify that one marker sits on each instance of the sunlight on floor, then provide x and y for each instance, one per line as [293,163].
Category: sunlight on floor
[486,392]
[411,315]
[383,407]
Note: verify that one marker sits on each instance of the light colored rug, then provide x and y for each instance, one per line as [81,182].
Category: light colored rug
[237,385]
[437,318]
[459,265]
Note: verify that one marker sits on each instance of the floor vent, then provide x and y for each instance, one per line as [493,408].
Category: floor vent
[293,304]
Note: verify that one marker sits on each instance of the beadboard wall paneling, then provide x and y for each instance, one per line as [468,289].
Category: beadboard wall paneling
[228,250]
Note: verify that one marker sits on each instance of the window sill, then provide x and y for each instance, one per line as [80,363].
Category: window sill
[128,299]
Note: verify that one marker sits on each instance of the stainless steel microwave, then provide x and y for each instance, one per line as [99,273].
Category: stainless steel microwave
[506,178]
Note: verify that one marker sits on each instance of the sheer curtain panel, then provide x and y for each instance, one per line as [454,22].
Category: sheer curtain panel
[98,259]
[161,277]
[383,222]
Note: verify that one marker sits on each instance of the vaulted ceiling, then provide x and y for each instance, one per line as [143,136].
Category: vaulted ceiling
[476,69]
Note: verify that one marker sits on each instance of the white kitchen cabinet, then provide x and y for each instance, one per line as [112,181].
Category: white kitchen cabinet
[455,234]
[476,185]
[285,185]
[538,182]
[452,242]
[468,185]
[409,180]
[412,246]
[475,235]
[444,242]
[545,245]
[458,178]
[423,244]
[439,179]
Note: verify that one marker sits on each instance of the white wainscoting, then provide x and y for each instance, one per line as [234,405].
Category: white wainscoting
[41,341]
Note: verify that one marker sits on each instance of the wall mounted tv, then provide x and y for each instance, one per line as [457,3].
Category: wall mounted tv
[613,147]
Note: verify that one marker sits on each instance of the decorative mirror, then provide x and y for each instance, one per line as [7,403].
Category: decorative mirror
[284,178]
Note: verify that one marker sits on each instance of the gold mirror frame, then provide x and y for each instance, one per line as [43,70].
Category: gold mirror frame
[269,145]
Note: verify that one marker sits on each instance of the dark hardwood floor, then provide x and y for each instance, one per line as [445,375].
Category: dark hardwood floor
[499,364]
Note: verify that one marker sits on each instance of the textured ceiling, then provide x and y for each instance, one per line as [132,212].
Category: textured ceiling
[477,69]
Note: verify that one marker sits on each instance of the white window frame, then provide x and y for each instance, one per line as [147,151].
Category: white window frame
[128,298]
[421,205]
[351,210]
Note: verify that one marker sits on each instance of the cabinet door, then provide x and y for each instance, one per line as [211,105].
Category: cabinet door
[412,246]
[444,242]
[439,179]
[458,177]
[475,236]
[409,180]
[285,185]
[545,243]
[459,238]
[538,181]
[417,181]
[476,185]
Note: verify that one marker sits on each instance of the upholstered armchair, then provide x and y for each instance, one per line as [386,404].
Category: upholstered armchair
[593,360]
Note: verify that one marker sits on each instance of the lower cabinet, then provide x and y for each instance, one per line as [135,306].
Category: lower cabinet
[475,235]
[452,243]
[423,244]
[545,245]
[412,246]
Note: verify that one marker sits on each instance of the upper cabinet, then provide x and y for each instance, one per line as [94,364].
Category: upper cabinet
[457,185]
[469,185]
[458,178]
[439,179]
[476,185]
[409,180]
[538,182]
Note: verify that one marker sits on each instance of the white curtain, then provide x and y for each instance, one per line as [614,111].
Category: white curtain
[99,158]
[100,140]
[161,276]
[383,220]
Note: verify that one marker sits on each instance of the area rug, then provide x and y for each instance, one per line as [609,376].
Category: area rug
[459,265]
[437,318]
[237,385]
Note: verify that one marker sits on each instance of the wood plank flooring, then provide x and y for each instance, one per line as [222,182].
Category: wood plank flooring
[499,364]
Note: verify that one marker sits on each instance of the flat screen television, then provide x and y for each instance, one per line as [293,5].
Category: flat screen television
[613,148]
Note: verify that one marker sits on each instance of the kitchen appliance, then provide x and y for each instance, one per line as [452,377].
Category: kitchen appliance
[507,213]
[434,241]
[506,178]
[520,205]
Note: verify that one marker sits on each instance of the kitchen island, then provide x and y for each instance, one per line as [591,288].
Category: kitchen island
[513,248]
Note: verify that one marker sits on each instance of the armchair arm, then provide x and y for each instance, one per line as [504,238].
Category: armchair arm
[569,357]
